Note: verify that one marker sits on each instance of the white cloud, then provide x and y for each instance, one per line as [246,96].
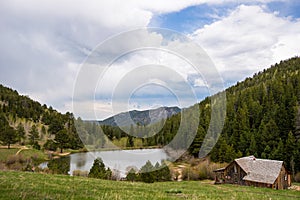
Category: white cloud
[249,39]
[41,39]
[44,42]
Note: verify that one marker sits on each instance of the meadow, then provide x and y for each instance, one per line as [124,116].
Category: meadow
[29,185]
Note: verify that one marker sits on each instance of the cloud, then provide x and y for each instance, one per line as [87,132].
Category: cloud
[249,39]
[43,43]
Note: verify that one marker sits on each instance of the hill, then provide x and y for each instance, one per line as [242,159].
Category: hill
[46,186]
[26,121]
[144,117]
[262,117]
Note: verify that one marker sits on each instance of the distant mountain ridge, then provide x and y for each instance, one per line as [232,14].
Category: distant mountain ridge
[144,117]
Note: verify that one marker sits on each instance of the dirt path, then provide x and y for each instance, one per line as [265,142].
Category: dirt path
[21,149]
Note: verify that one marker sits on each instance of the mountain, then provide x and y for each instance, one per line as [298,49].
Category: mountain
[144,117]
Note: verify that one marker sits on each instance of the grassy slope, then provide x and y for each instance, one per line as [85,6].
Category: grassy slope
[21,185]
[5,153]
[25,153]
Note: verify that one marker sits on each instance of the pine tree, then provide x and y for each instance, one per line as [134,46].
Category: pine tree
[62,139]
[21,133]
[33,135]
[130,137]
[146,174]
[8,136]
[131,175]
[98,170]
[252,148]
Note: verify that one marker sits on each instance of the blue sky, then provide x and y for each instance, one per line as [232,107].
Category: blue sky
[194,17]
[45,44]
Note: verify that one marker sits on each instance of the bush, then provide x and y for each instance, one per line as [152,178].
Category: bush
[203,170]
[80,173]
[15,159]
[190,173]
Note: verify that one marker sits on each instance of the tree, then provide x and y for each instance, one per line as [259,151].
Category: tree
[62,139]
[98,170]
[131,175]
[33,135]
[291,152]
[109,174]
[130,137]
[21,133]
[164,172]
[56,125]
[146,173]
[8,136]
[50,145]
[278,152]
[252,148]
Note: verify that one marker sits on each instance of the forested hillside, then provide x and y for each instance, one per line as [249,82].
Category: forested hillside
[262,117]
[26,121]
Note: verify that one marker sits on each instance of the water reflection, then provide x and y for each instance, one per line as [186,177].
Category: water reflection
[118,161]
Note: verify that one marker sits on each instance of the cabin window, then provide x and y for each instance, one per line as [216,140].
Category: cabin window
[235,171]
[285,177]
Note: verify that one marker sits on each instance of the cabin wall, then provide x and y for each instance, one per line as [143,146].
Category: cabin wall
[219,178]
[283,180]
[234,174]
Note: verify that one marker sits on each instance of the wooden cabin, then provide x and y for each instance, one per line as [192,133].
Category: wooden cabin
[255,172]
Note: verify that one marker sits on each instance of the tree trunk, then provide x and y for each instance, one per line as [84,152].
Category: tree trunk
[8,146]
[61,150]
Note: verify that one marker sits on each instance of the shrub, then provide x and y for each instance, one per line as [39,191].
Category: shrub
[15,159]
[190,173]
[80,173]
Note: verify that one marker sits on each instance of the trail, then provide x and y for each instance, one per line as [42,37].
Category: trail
[21,149]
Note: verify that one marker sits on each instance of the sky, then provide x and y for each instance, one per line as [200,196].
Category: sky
[47,49]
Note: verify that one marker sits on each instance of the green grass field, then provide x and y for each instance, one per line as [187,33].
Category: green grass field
[5,153]
[21,185]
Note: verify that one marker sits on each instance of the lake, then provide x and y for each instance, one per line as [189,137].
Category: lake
[116,160]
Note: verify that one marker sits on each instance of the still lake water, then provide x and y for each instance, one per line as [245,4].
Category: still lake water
[116,160]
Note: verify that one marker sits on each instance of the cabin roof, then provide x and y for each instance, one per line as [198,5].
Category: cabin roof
[260,170]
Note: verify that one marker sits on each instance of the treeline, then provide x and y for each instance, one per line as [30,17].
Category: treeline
[148,173]
[157,134]
[16,111]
